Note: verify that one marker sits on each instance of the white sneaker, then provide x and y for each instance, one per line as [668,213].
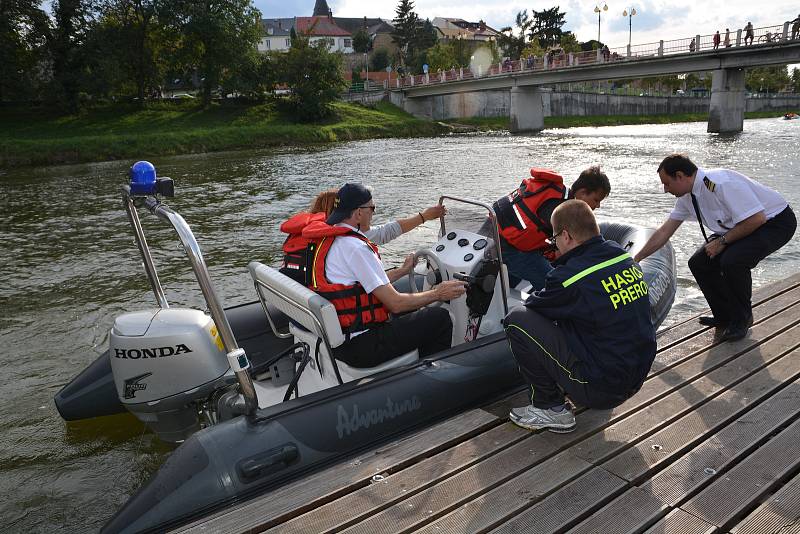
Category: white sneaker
[536,419]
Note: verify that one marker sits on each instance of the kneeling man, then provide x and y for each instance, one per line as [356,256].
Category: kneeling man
[588,332]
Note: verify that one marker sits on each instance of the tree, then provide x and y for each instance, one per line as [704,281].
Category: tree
[380,60]
[796,80]
[767,79]
[24,30]
[404,35]
[314,76]
[130,47]
[441,56]
[426,36]
[514,43]
[71,20]
[569,44]
[217,38]
[361,41]
[546,26]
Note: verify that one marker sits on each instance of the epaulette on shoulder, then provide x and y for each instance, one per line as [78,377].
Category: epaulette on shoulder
[709,184]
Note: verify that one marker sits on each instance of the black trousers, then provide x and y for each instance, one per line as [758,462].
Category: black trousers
[546,363]
[725,280]
[429,330]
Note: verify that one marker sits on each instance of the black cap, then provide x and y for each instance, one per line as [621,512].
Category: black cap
[348,198]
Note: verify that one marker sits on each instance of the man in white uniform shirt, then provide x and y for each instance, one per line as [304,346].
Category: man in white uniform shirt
[747,222]
[350,260]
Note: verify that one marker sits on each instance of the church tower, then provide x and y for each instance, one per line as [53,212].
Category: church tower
[321,9]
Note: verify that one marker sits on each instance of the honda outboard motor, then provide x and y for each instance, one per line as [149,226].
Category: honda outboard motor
[165,362]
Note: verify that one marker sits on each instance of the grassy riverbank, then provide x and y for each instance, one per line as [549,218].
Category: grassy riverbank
[42,137]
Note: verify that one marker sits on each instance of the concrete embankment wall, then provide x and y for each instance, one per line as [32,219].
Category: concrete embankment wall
[560,104]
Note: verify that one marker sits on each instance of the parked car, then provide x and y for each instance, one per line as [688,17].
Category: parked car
[680,92]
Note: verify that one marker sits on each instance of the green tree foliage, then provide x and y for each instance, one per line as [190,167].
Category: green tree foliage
[442,56]
[380,60]
[513,43]
[314,76]
[361,41]
[796,80]
[406,24]
[767,79]
[218,37]
[71,20]
[24,29]
[132,43]
[569,43]
[546,26]
[426,36]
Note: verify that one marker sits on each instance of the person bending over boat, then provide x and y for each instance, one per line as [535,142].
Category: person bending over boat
[294,248]
[748,222]
[347,270]
[523,219]
[588,332]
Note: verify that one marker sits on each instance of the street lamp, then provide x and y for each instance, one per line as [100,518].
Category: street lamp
[598,11]
[630,14]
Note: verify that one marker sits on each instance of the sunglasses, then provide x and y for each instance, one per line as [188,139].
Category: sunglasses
[367,208]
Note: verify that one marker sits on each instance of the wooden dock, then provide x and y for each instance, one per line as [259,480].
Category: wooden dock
[711,443]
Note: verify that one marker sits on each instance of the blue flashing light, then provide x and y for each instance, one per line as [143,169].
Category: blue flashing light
[143,178]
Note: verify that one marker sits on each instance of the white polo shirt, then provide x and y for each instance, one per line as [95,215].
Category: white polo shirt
[350,260]
[726,198]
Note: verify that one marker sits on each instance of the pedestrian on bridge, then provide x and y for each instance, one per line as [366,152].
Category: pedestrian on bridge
[692,46]
[748,33]
[727,41]
[716,40]
[796,27]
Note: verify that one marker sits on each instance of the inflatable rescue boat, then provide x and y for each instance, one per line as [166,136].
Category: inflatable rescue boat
[252,394]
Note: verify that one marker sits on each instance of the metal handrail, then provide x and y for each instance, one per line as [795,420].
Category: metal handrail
[195,256]
[320,329]
[495,236]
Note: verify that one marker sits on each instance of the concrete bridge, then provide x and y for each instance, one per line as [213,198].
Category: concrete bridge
[772,45]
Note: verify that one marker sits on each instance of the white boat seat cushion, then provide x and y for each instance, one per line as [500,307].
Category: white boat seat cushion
[303,305]
[298,303]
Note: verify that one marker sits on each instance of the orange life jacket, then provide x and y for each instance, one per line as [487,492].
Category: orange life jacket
[357,310]
[516,212]
[295,257]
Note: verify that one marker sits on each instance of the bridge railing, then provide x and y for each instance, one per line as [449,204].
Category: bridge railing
[686,45]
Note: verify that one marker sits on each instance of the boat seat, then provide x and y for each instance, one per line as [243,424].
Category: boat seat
[312,317]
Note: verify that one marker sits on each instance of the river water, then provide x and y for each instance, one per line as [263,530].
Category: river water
[70,264]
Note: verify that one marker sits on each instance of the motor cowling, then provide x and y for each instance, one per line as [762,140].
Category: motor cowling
[163,362]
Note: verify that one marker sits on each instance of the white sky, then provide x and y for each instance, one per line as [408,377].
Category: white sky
[655,19]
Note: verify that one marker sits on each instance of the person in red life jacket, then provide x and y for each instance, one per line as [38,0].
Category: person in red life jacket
[523,219]
[295,261]
[347,270]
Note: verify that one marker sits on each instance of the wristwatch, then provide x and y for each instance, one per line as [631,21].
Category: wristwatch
[722,240]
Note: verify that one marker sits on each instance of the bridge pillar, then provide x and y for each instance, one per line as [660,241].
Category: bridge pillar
[527,111]
[726,111]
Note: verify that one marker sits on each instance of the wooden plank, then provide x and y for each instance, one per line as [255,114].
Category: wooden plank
[555,513]
[375,497]
[502,502]
[779,514]
[706,336]
[309,492]
[696,469]
[664,445]
[471,483]
[724,501]
[679,522]
[681,331]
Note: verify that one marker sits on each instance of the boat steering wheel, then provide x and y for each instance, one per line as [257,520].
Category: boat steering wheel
[434,274]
